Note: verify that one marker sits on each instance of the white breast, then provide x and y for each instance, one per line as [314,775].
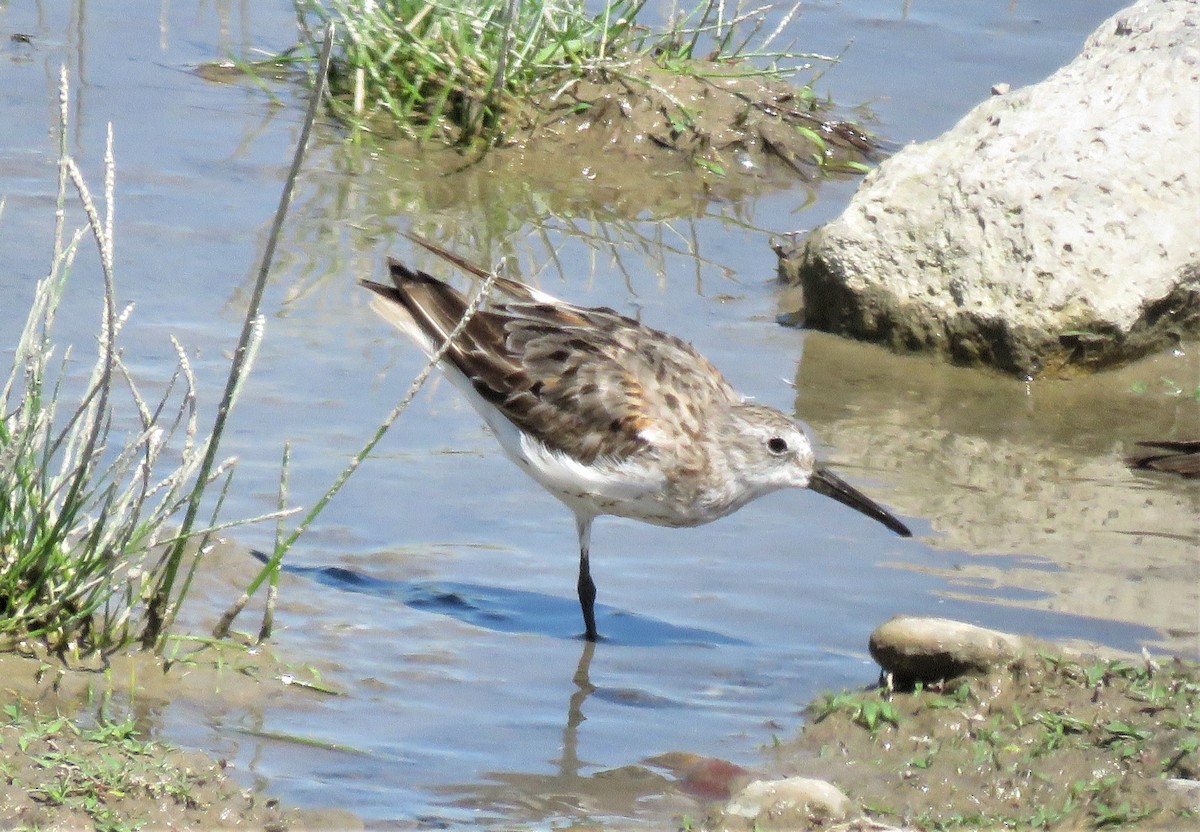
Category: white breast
[623,489]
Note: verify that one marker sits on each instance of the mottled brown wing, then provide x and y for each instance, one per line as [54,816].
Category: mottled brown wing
[617,387]
[587,382]
[435,310]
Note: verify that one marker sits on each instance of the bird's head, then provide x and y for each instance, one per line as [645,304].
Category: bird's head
[773,451]
[776,453]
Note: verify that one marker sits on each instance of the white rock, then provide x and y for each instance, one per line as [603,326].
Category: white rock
[1055,226]
[790,803]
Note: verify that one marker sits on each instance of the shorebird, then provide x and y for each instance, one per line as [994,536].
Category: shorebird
[608,415]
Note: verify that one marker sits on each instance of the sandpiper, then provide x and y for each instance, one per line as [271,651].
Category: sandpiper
[608,415]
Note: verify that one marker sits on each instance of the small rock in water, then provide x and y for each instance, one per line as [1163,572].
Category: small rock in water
[919,649]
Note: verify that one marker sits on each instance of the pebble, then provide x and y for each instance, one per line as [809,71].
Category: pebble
[793,803]
[921,649]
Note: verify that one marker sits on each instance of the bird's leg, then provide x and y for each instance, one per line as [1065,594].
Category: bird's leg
[587,599]
[586,588]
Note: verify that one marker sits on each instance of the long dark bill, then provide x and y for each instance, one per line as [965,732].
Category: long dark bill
[824,481]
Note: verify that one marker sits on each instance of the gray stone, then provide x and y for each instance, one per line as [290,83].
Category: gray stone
[792,803]
[919,649]
[1056,228]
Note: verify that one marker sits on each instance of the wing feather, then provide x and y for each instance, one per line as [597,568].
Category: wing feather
[587,382]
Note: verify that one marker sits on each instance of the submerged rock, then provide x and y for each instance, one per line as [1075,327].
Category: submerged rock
[1056,228]
[705,777]
[919,649]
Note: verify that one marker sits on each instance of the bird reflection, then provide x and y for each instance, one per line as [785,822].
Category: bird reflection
[531,797]
[568,764]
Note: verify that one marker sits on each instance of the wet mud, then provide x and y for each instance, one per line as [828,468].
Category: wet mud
[718,117]
[651,141]
[79,750]
[1052,742]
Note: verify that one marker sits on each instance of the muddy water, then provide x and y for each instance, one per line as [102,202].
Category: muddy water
[437,591]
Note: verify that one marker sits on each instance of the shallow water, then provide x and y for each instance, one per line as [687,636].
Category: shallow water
[437,590]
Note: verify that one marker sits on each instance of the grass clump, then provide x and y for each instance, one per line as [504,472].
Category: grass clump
[93,470]
[477,73]
[88,558]
[89,491]
[870,710]
[460,70]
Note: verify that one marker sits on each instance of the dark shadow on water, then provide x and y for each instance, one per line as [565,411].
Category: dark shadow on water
[519,611]
[512,610]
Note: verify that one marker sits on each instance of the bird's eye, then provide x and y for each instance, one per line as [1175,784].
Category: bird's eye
[776,445]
